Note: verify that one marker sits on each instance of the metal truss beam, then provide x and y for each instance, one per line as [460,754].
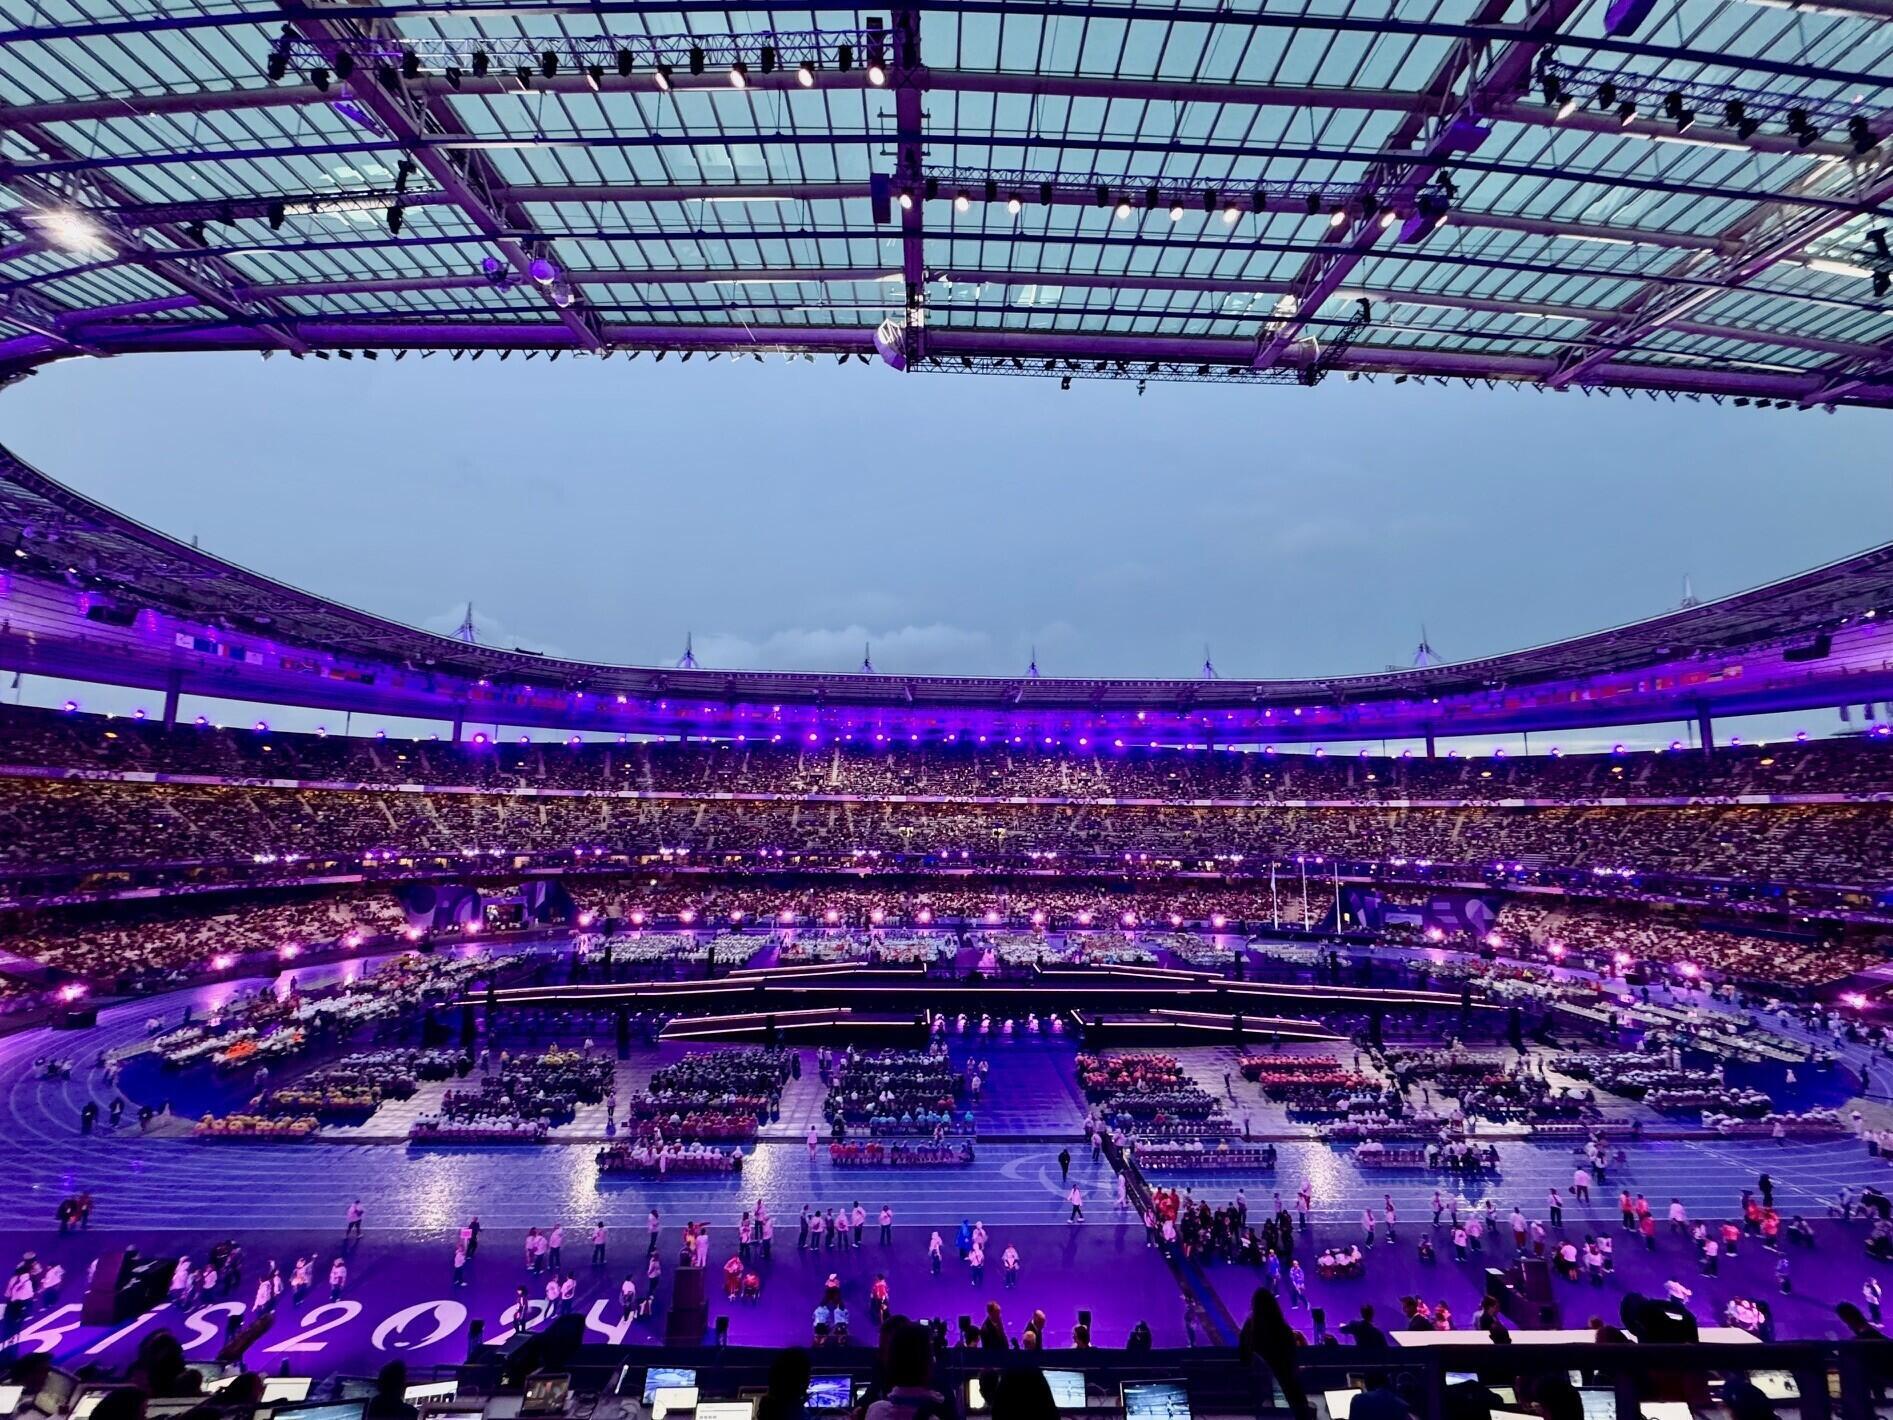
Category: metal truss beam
[207,278]
[1708,379]
[1125,281]
[1294,198]
[1487,28]
[465,176]
[1754,244]
[1217,244]
[454,144]
[1314,98]
[1456,128]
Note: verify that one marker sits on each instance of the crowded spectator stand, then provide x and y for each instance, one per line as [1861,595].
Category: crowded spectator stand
[737,1080]
[891,1092]
[676,1159]
[876,1153]
[546,1088]
[1189,1155]
[257,1127]
[1451,1156]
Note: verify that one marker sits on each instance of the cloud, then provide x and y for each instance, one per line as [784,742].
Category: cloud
[488,631]
[932,649]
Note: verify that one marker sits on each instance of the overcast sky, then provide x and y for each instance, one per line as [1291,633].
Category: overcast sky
[788,514]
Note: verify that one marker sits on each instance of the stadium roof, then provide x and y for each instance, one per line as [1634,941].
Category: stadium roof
[90,594]
[1682,196]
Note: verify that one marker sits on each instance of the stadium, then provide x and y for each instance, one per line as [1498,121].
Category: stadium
[394,1021]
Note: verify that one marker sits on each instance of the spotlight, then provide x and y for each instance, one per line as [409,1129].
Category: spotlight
[549,64]
[1801,127]
[1882,282]
[404,170]
[410,65]
[1045,194]
[1210,198]
[767,58]
[661,75]
[543,270]
[595,77]
[906,199]
[625,60]
[1386,218]
[931,187]
[1736,114]
[1103,192]
[1876,238]
[453,76]
[276,214]
[1567,106]
[320,78]
[277,65]
[992,189]
[1626,113]
[1553,89]
[344,65]
[962,201]
[1013,205]
[805,75]
[1150,199]
[877,73]
[481,63]
[739,75]
[1860,134]
[844,58]
[397,215]
[1606,94]
[696,59]
[1230,214]
[524,74]
[1338,217]
[1674,107]
[1312,202]
[1123,209]
[1176,212]
[72,230]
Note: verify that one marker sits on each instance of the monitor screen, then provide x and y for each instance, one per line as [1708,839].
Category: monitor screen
[86,1404]
[669,1399]
[1068,1389]
[1599,1404]
[278,1390]
[666,1377]
[1155,1400]
[545,1392]
[436,1390]
[726,1410]
[830,1392]
[342,1410]
[10,1398]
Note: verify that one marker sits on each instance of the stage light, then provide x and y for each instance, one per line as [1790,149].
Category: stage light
[1567,107]
[277,65]
[1210,198]
[1386,218]
[1230,214]
[1876,238]
[696,59]
[1123,209]
[661,77]
[275,214]
[452,71]
[320,78]
[1861,134]
[1013,205]
[1626,114]
[766,57]
[1176,212]
[1045,194]
[906,199]
[1735,113]
[1312,202]
[962,201]
[595,77]
[410,65]
[1802,127]
[1606,94]
[805,75]
[344,65]
[844,58]
[397,216]
[549,64]
[543,270]
[480,63]
[70,229]
[1338,217]
[739,75]
[626,60]
[877,73]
